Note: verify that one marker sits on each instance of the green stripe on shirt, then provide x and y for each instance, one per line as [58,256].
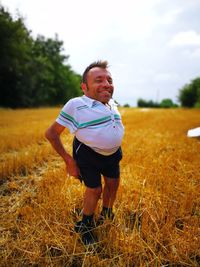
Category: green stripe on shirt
[70,118]
[85,124]
[104,119]
[117,117]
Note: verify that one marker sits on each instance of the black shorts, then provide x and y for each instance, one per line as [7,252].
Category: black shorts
[93,164]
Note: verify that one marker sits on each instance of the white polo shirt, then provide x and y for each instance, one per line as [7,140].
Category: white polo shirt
[96,125]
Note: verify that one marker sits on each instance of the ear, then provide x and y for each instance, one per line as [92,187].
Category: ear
[84,87]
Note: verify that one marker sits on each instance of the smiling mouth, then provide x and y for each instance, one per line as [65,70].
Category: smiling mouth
[105,92]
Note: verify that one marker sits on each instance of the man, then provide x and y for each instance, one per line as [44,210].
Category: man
[96,123]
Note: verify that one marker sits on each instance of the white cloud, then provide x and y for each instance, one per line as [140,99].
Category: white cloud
[192,53]
[165,77]
[196,53]
[188,38]
[171,16]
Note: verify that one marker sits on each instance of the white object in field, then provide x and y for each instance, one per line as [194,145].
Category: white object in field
[194,132]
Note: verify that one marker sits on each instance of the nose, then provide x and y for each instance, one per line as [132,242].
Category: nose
[107,84]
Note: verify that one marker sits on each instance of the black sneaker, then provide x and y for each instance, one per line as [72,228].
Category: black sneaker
[86,232]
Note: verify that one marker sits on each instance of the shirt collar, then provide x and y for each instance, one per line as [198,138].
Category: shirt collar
[89,101]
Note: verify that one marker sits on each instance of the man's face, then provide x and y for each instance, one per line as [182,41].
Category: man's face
[99,85]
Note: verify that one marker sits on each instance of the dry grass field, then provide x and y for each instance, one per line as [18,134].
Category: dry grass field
[157,220]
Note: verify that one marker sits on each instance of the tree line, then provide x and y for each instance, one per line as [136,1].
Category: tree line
[33,72]
[189,96]
[165,103]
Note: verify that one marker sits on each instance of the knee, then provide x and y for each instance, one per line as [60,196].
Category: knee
[112,185]
[96,191]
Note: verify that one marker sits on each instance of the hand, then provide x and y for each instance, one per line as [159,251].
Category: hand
[72,168]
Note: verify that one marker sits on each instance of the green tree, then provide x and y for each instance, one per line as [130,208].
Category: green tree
[33,72]
[144,103]
[15,48]
[167,103]
[189,95]
[54,82]
[126,105]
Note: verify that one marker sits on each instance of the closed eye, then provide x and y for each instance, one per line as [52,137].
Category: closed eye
[110,81]
[98,80]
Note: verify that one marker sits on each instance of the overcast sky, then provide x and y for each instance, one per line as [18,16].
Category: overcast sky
[152,46]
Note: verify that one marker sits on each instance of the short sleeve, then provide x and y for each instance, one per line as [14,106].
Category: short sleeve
[67,116]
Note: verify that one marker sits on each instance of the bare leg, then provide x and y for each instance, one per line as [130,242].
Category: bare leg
[92,195]
[110,191]
[86,225]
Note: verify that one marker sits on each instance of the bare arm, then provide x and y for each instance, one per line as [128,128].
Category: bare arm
[53,135]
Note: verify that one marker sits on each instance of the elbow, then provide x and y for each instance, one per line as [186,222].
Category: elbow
[53,132]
